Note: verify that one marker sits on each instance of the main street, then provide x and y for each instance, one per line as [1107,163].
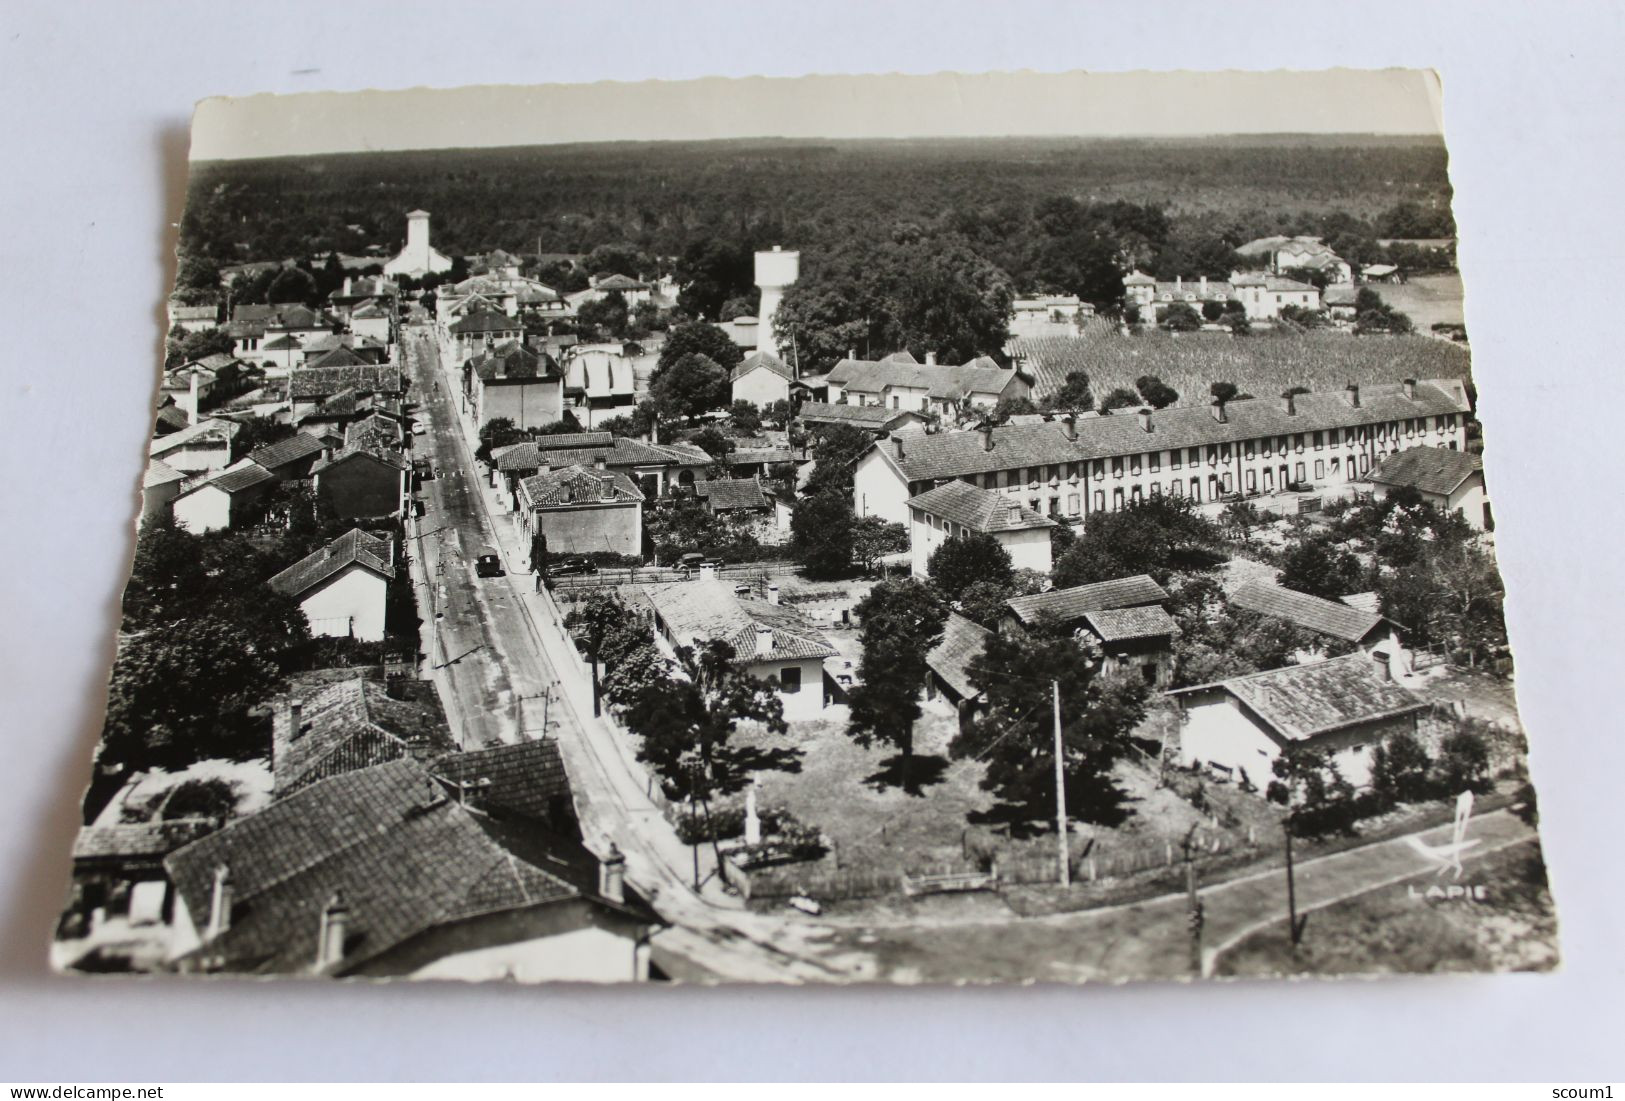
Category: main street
[497,648]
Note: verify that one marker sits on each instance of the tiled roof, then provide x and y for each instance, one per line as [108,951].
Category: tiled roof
[864,416]
[1436,470]
[1301,701]
[722,494]
[402,854]
[139,840]
[241,475]
[1364,602]
[213,430]
[354,546]
[945,383]
[765,360]
[1069,604]
[160,473]
[295,447]
[525,779]
[377,434]
[707,610]
[348,725]
[1273,282]
[621,452]
[342,356]
[1128,624]
[961,643]
[487,321]
[321,382]
[956,454]
[511,360]
[980,510]
[1327,617]
[557,440]
[171,418]
[193,313]
[579,485]
[752,456]
[620,283]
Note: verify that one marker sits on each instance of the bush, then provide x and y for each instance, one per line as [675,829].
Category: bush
[1464,763]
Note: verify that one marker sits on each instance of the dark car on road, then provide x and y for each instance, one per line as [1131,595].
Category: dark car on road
[564,567]
[488,565]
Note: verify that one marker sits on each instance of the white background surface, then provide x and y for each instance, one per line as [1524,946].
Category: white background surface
[95,105]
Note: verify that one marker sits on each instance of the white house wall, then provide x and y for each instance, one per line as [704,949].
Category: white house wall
[349,604]
[206,509]
[1220,732]
[761,388]
[583,955]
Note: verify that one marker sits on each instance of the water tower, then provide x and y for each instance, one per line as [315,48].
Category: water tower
[775,270]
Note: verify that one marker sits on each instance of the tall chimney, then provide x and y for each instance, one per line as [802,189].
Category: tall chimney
[1179,283]
[191,413]
[764,640]
[1410,388]
[612,874]
[1217,408]
[1352,393]
[654,429]
[1289,405]
[987,437]
[335,927]
[1145,420]
[1204,286]
[219,903]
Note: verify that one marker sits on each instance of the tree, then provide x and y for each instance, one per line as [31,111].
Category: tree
[821,533]
[1449,595]
[692,385]
[1179,317]
[1014,732]
[254,433]
[178,696]
[594,620]
[716,276]
[873,538]
[1318,799]
[1157,535]
[713,442]
[686,722]
[1399,771]
[292,285]
[835,453]
[184,347]
[965,559]
[746,418]
[902,621]
[620,258]
[1074,395]
[1223,392]
[1006,408]
[1321,567]
[1155,392]
[636,672]
[1373,315]
[498,432]
[1119,398]
[605,317]
[698,338]
[1464,763]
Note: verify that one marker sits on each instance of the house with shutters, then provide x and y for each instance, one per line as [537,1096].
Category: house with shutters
[511,381]
[1344,707]
[1125,617]
[1450,480]
[583,510]
[770,641]
[343,587]
[957,509]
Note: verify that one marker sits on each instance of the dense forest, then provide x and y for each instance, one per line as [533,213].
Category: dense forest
[667,197]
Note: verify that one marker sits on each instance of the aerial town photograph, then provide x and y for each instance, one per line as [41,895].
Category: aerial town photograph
[794,560]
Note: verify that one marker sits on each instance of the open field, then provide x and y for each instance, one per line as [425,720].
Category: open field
[1427,299]
[1390,930]
[1262,365]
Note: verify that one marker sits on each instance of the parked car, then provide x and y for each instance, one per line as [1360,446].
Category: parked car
[564,567]
[488,565]
[419,428]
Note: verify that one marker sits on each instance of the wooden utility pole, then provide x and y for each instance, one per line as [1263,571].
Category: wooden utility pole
[1064,851]
[1194,916]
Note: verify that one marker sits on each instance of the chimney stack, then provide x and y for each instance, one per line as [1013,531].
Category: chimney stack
[1204,286]
[1179,283]
[772,594]
[930,359]
[191,412]
[335,927]
[1352,393]
[1410,388]
[219,903]
[296,717]
[897,446]
[598,462]
[1383,665]
[986,432]
[1145,419]
[764,639]
[1289,405]
[1070,424]
[1217,409]
[612,874]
